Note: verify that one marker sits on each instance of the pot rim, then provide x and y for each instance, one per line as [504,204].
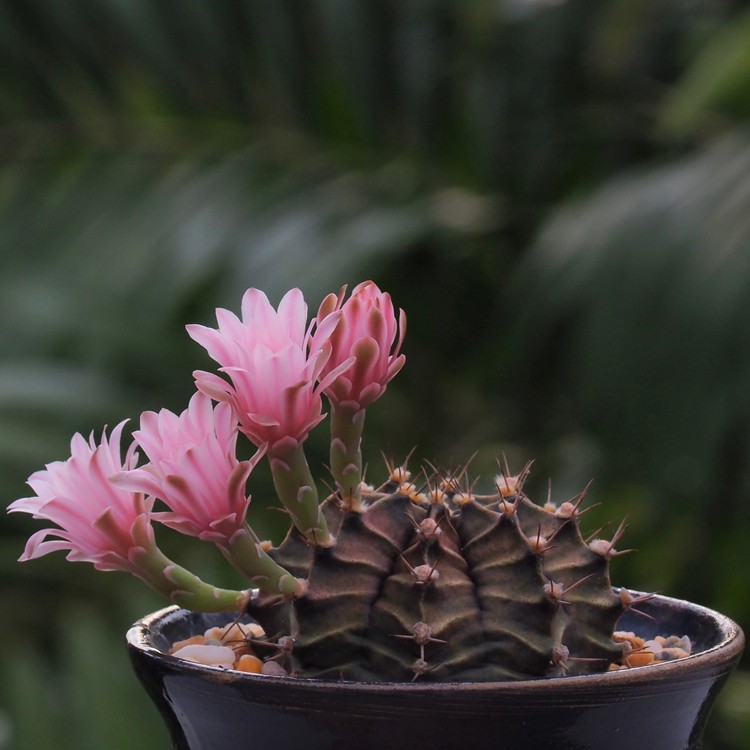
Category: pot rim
[722,657]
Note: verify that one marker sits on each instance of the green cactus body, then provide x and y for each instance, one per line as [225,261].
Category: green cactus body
[447,587]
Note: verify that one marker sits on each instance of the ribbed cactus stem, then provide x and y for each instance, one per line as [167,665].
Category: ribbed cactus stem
[296,489]
[447,586]
[245,551]
[347,421]
[181,586]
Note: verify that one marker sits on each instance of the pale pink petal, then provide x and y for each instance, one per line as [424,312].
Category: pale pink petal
[136,480]
[293,313]
[212,385]
[209,339]
[255,304]
[264,421]
[36,546]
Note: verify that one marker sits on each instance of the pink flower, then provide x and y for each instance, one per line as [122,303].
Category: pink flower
[272,379]
[367,331]
[193,469]
[99,522]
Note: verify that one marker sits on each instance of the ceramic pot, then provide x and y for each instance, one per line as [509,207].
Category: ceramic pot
[663,707]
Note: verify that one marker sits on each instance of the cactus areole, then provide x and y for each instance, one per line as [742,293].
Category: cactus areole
[418,579]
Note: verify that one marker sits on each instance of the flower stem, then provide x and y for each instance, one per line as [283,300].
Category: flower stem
[245,552]
[181,586]
[296,489]
[347,421]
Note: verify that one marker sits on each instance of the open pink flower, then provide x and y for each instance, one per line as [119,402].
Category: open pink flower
[99,522]
[369,333]
[272,378]
[193,469]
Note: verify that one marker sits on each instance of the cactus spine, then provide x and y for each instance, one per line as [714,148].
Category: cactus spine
[444,585]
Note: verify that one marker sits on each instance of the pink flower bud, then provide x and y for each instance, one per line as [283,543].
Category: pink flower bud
[99,523]
[193,469]
[368,333]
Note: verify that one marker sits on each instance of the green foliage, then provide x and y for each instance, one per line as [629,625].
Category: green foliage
[713,93]
[77,693]
[642,296]
[95,296]
[160,156]
[731,725]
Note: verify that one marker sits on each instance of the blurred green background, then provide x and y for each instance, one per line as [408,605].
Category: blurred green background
[556,191]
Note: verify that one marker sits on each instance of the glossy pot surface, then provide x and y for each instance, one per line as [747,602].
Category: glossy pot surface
[662,707]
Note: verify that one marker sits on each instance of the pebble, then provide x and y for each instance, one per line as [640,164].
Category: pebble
[249,663]
[274,669]
[668,649]
[638,652]
[212,656]
[227,647]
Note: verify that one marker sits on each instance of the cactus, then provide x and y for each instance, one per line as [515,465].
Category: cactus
[394,583]
[444,585]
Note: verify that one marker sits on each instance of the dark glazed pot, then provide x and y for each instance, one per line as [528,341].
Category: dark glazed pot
[662,707]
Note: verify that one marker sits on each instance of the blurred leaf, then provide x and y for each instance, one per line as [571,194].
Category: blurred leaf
[30,694]
[713,92]
[103,695]
[448,82]
[83,698]
[37,386]
[641,296]
[730,726]
[110,256]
